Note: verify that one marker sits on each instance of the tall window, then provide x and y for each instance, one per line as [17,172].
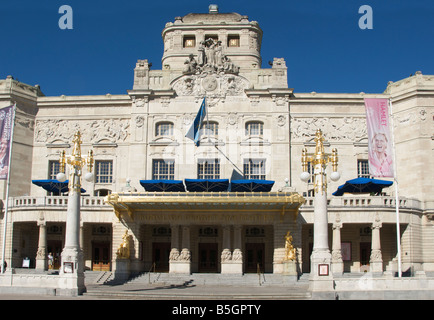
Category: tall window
[103,171]
[163,169]
[53,169]
[363,169]
[254,169]
[164,129]
[208,169]
[254,128]
[310,169]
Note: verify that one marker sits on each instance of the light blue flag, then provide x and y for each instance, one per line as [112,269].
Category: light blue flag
[194,131]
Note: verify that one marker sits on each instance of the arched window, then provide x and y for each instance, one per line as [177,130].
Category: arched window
[164,129]
[210,129]
[254,128]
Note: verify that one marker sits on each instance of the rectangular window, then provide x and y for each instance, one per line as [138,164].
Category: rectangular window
[208,169]
[254,169]
[163,169]
[233,41]
[103,171]
[189,41]
[363,169]
[53,169]
[310,169]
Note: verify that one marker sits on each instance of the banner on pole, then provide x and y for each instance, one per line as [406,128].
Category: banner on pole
[380,143]
[6,118]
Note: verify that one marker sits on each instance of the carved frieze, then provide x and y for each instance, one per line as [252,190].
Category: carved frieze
[93,131]
[335,129]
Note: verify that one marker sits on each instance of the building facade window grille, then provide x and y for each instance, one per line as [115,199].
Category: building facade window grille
[163,169]
[164,129]
[363,169]
[254,128]
[53,169]
[210,129]
[104,171]
[208,169]
[254,169]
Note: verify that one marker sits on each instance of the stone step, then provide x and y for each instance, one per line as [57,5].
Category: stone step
[215,279]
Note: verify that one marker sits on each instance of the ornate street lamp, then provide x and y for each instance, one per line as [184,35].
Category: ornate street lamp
[72,268]
[321,257]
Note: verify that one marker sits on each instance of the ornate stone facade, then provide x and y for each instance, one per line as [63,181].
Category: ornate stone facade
[259,124]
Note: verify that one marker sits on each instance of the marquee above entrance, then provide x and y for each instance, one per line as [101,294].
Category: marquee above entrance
[204,202]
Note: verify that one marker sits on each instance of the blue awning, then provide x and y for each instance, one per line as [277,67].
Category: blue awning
[53,185]
[163,185]
[207,185]
[362,185]
[253,185]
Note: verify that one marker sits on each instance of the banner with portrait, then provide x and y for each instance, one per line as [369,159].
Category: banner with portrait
[6,118]
[380,141]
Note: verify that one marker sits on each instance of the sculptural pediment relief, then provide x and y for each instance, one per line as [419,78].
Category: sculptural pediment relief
[211,74]
[215,86]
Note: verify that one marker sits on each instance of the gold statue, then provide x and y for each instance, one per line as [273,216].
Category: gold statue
[124,249]
[289,248]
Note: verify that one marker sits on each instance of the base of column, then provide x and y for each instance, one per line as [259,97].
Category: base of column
[71,273]
[123,270]
[232,267]
[182,267]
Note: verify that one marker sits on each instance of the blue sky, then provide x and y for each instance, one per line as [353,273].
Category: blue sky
[324,48]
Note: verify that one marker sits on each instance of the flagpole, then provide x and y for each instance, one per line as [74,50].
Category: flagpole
[398,228]
[5,219]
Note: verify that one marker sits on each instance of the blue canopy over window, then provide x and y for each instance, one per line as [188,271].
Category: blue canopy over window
[362,185]
[207,185]
[53,185]
[163,185]
[254,185]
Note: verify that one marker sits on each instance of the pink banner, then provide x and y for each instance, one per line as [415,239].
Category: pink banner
[380,142]
[6,115]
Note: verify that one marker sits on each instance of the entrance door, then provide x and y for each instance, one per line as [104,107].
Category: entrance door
[255,257]
[101,256]
[208,261]
[55,248]
[160,256]
[365,254]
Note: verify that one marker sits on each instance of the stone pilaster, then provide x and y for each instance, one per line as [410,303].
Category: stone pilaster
[41,255]
[337,262]
[376,259]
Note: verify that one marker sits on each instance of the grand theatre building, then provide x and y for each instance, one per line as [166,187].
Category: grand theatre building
[226,203]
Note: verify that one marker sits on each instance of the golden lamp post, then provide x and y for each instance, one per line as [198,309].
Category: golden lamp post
[72,268]
[321,257]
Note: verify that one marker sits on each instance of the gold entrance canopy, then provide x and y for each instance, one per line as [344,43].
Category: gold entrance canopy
[204,202]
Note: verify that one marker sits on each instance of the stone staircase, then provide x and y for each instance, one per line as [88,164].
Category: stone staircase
[213,279]
[199,286]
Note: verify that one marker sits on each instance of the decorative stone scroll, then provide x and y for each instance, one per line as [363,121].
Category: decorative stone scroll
[94,131]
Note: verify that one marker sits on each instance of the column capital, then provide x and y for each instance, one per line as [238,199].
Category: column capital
[377,223]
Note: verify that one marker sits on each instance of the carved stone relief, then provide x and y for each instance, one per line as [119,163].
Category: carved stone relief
[94,131]
[334,129]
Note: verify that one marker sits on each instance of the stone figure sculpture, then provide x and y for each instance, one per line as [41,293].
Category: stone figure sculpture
[289,248]
[123,251]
